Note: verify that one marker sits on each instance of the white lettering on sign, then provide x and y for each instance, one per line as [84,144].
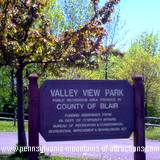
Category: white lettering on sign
[91,115]
[109,106]
[91,105]
[83,130]
[72,115]
[108,129]
[91,92]
[80,125]
[64,92]
[59,126]
[64,106]
[59,131]
[114,92]
[69,120]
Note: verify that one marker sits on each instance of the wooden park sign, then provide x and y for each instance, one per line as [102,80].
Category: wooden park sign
[85,110]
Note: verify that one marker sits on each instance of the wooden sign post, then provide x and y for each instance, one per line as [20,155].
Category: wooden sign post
[139,123]
[33,117]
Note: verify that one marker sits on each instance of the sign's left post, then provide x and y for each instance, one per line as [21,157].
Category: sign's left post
[33,117]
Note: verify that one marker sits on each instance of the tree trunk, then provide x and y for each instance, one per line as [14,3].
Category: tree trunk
[20,108]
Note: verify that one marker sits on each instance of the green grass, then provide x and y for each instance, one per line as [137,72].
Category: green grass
[4,157]
[60,158]
[7,126]
[153,133]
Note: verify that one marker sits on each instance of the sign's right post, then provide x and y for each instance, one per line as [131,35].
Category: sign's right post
[139,122]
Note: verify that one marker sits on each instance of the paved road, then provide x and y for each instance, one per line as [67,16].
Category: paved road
[118,149]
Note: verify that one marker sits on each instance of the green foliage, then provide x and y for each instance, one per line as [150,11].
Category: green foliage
[26,38]
[77,12]
[149,42]
[116,31]
[6,99]
[4,94]
[53,12]
[24,33]
[8,126]
[70,14]
[95,72]
[81,73]
[139,61]
[153,133]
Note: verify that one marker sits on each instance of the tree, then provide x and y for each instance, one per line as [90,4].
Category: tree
[68,14]
[140,60]
[25,38]
[54,13]
[114,39]
[76,12]
[149,42]
[7,98]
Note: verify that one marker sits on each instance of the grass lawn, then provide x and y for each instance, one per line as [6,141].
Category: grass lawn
[153,133]
[7,126]
[41,158]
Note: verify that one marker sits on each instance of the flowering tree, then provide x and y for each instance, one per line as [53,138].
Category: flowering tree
[25,38]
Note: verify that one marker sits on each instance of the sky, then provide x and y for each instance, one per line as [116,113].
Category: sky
[139,16]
